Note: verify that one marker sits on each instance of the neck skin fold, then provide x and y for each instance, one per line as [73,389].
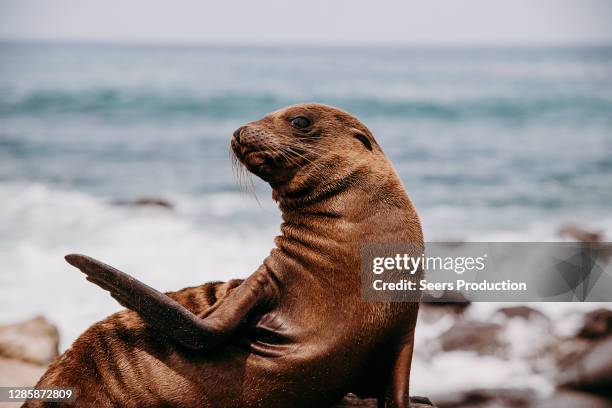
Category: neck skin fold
[326,220]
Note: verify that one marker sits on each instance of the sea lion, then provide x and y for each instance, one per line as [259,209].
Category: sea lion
[295,333]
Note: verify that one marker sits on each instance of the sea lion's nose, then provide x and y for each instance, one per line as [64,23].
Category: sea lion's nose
[237,133]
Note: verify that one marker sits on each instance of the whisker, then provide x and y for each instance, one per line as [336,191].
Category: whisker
[244,177]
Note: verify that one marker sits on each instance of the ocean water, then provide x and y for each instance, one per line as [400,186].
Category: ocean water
[491,144]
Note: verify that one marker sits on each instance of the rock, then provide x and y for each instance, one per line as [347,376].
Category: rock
[447,298]
[597,324]
[592,372]
[352,401]
[594,240]
[585,361]
[435,307]
[34,341]
[523,312]
[421,402]
[473,336]
[574,399]
[146,202]
[580,234]
[487,398]
[519,398]
[26,349]
[565,352]
[15,373]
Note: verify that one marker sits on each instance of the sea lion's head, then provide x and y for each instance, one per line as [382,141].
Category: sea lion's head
[305,138]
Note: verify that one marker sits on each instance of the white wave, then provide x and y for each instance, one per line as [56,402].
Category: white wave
[461,370]
[168,250]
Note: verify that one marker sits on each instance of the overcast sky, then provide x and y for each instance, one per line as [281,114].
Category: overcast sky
[311,21]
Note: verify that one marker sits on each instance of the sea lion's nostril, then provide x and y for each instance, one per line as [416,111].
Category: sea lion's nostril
[237,133]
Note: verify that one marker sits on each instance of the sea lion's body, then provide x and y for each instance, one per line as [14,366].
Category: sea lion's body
[312,339]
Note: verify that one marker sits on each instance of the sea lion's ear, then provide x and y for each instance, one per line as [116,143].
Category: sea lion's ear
[363,138]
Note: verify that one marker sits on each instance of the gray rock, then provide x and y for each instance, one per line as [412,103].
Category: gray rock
[438,306]
[34,341]
[519,398]
[15,373]
[472,336]
[576,232]
[523,312]
[592,372]
[451,299]
[486,398]
[574,399]
[352,401]
[146,202]
[597,324]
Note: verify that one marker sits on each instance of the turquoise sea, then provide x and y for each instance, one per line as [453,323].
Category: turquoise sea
[485,140]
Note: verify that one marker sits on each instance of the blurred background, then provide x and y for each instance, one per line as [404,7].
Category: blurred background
[115,121]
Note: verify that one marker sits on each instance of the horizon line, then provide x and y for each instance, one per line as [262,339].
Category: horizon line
[298,44]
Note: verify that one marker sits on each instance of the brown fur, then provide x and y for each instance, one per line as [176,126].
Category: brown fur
[335,194]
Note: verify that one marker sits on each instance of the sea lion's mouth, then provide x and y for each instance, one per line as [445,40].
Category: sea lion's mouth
[257,161]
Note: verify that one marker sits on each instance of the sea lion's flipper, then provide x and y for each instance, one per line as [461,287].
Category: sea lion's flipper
[167,315]
[398,389]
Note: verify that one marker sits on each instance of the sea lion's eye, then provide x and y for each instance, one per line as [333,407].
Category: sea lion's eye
[300,122]
[363,139]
